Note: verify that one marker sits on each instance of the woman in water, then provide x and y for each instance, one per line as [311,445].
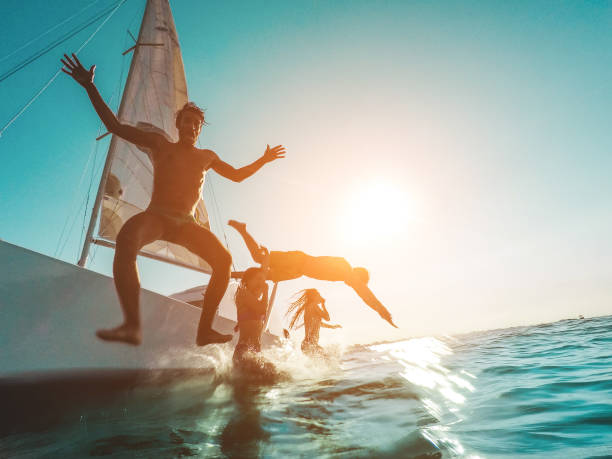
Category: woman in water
[251,305]
[312,306]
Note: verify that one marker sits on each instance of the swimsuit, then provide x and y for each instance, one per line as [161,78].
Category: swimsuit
[179,218]
[174,221]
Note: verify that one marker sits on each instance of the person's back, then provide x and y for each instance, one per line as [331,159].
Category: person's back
[312,324]
[310,305]
[250,321]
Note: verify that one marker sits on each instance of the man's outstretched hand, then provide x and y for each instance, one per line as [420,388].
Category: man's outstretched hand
[387,316]
[274,153]
[74,68]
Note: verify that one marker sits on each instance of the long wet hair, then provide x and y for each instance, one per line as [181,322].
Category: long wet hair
[299,306]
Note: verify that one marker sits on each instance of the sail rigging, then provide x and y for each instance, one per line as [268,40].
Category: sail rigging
[155,90]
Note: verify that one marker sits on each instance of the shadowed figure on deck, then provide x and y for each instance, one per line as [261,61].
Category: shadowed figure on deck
[291,265]
[179,170]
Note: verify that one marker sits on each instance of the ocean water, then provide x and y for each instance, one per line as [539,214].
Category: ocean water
[538,391]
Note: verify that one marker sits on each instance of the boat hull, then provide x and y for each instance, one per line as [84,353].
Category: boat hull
[50,310]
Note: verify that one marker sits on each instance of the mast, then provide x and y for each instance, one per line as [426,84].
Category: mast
[270,304]
[155,89]
[109,157]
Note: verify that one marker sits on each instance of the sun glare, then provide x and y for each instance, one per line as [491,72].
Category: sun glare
[378,210]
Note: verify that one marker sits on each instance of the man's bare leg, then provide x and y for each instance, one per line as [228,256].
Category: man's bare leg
[212,297]
[136,233]
[254,248]
[206,245]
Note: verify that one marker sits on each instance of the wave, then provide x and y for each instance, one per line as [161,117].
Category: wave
[536,391]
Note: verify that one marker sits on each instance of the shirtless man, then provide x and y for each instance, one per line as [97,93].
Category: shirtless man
[179,170]
[294,264]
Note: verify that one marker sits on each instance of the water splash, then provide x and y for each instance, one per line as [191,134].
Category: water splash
[540,391]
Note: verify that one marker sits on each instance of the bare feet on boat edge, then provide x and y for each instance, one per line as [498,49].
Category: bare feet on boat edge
[121,334]
[238,225]
[212,337]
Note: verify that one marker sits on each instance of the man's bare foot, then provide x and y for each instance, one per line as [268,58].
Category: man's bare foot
[239,226]
[211,337]
[122,333]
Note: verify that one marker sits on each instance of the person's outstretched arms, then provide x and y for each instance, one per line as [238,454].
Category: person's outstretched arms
[238,175]
[84,77]
[368,298]
[326,325]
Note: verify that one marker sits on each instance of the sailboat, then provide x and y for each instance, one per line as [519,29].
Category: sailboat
[51,308]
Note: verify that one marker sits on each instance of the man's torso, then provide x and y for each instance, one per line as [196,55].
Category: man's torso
[178,178]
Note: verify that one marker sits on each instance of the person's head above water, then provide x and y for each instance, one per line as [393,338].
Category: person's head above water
[189,122]
[254,280]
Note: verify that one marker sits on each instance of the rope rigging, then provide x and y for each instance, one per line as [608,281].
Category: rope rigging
[90,165]
[48,31]
[52,79]
[54,44]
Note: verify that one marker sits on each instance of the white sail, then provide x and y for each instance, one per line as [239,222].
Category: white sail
[155,90]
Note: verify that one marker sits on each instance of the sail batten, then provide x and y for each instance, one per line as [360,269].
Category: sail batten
[155,90]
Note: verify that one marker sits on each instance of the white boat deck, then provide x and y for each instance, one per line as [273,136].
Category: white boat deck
[50,309]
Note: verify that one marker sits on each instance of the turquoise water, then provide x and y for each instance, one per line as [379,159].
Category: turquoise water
[540,391]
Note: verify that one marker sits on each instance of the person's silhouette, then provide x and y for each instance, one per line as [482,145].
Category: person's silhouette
[291,265]
[179,170]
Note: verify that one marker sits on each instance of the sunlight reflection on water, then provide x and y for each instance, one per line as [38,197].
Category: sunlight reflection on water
[420,359]
[527,392]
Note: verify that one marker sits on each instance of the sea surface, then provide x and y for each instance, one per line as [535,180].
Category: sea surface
[539,391]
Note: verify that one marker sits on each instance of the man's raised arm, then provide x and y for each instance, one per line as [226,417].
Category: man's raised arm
[238,175]
[74,68]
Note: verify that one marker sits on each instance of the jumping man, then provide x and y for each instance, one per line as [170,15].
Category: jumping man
[178,177]
[294,264]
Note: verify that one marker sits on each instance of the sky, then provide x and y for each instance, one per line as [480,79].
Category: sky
[459,150]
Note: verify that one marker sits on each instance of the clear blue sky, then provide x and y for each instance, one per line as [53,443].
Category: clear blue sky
[487,121]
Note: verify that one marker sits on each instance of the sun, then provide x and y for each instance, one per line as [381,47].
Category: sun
[376,212]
